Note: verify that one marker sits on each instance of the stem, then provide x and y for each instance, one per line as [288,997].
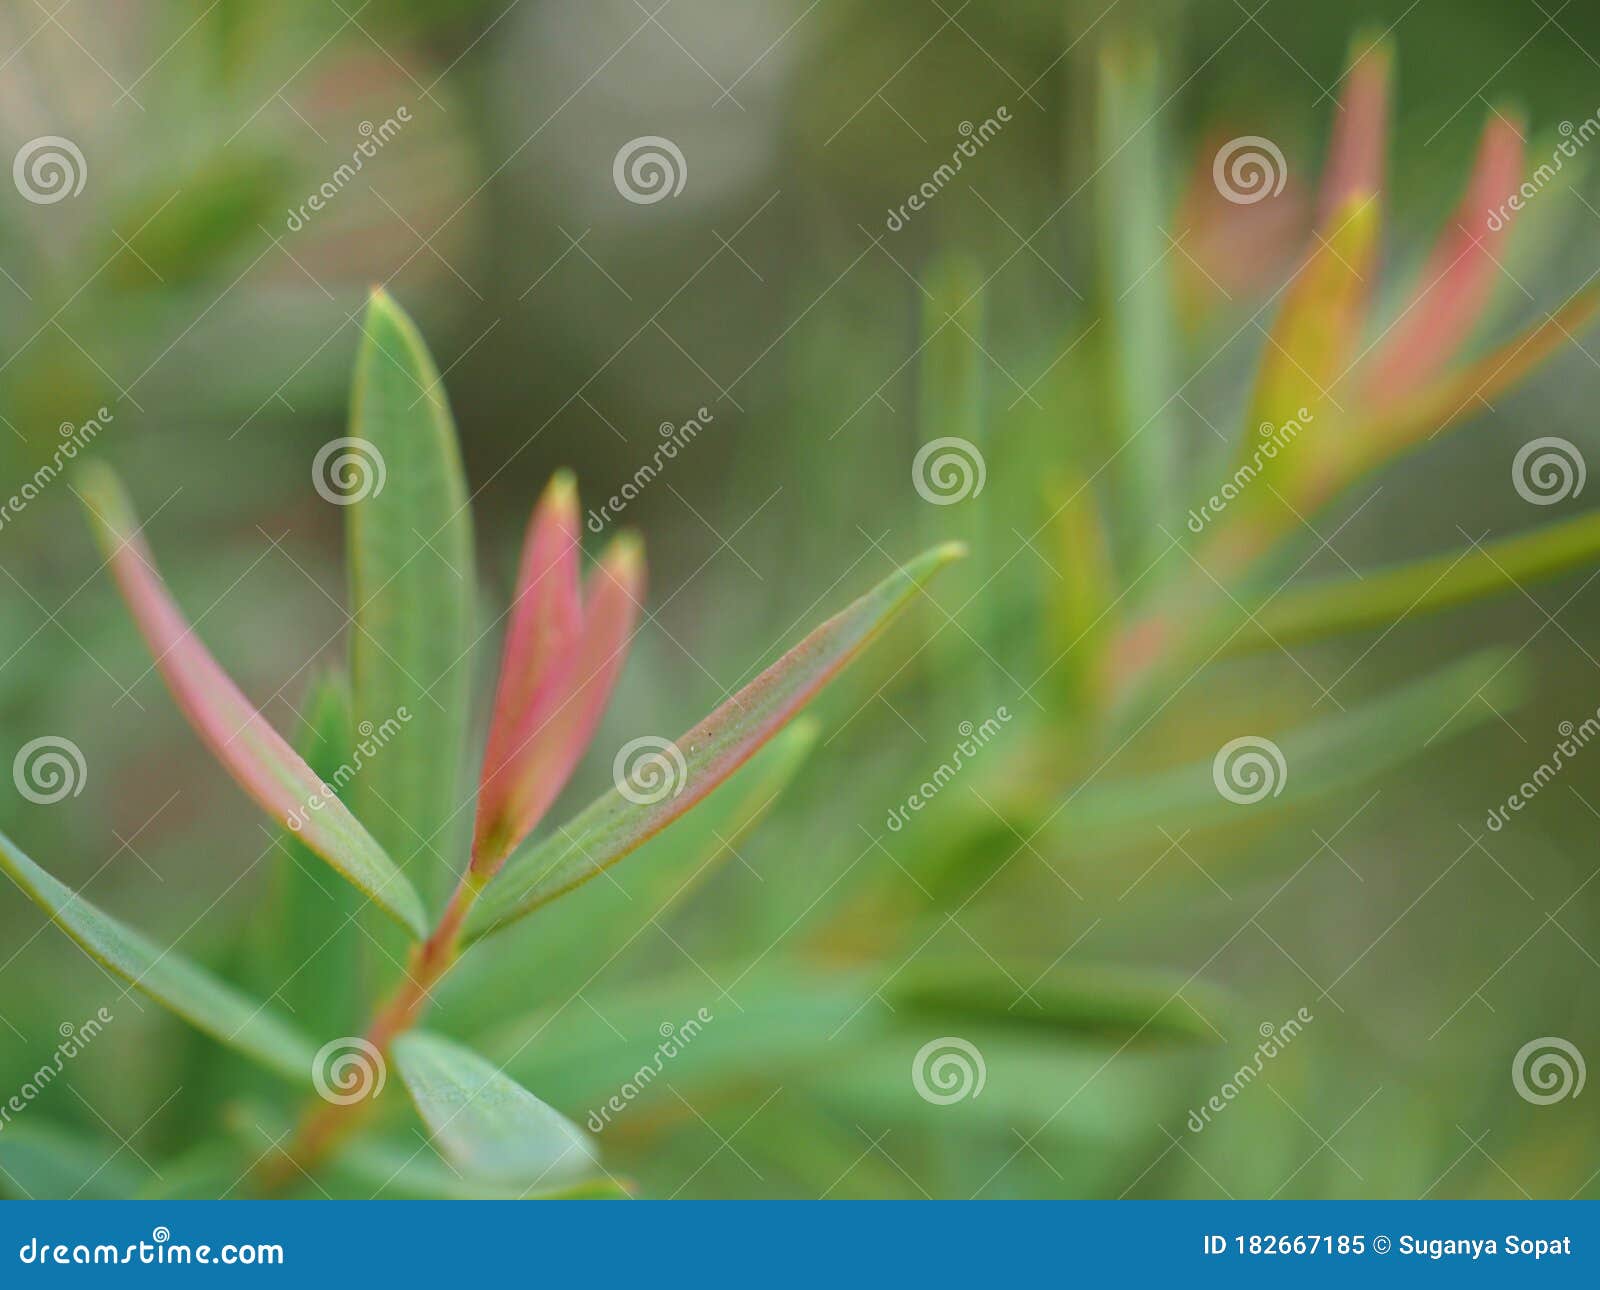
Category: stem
[325,1124]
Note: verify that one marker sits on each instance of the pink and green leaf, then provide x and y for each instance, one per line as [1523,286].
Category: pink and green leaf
[1463,393]
[1458,279]
[1360,131]
[561,662]
[1310,347]
[258,758]
[614,825]
[540,648]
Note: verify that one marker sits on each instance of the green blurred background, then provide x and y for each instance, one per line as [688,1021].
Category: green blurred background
[571,324]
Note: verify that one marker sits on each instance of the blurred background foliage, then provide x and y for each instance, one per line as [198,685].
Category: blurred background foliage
[570,325]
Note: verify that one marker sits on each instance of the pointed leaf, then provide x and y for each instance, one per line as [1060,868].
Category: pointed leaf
[44,1161]
[311,947]
[1360,130]
[382,1170]
[546,617]
[190,991]
[1103,999]
[1313,340]
[411,592]
[484,1122]
[1083,601]
[1327,757]
[1133,208]
[666,870]
[1457,280]
[543,743]
[1460,395]
[250,750]
[616,823]
[1301,400]
[1328,607]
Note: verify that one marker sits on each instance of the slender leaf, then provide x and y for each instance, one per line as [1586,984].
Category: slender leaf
[1103,1000]
[956,452]
[1462,394]
[787,1020]
[170,979]
[546,617]
[1376,599]
[1302,382]
[1458,278]
[1082,600]
[247,746]
[379,1169]
[486,1123]
[666,870]
[562,662]
[1133,210]
[1360,129]
[1321,759]
[43,1161]
[1312,343]
[315,944]
[411,592]
[616,823]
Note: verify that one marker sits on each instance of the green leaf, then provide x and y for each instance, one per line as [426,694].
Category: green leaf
[315,942]
[1082,602]
[1102,1000]
[190,991]
[43,1161]
[378,1169]
[789,1018]
[952,394]
[411,591]
[1133,207]
[613,825]
[1314,610]
[484,1122]
[667,869]
[1321,759]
